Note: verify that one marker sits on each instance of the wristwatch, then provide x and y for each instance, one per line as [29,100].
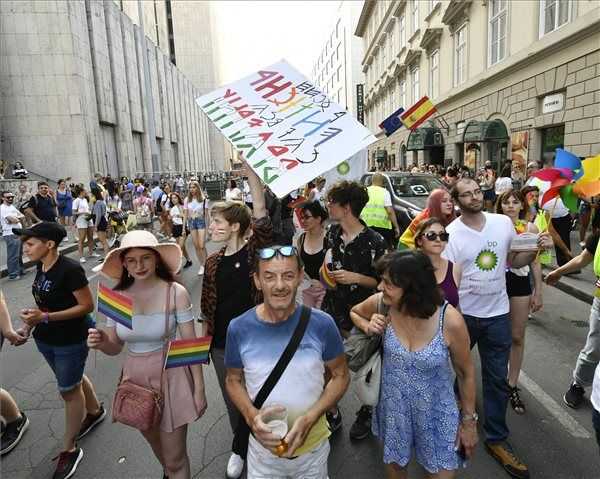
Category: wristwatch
[470,417]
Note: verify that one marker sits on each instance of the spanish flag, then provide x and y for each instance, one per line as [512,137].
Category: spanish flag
[418,113]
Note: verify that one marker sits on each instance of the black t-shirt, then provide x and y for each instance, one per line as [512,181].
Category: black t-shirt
[44,207]
[234,294]
[53,291]
[591,243]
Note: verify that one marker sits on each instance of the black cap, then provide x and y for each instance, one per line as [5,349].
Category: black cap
[48,230]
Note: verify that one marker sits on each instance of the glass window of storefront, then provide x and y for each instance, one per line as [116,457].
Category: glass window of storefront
[552,138]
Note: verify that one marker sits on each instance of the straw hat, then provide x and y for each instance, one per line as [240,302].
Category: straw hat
[169,252]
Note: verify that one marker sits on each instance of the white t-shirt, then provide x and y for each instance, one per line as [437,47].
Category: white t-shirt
[247,194]
[176,213]
[387,198]
[504,183]
[558,211]
[195,208]
[81,208]
[595,398]
[233,194]
[9,210]
[482,256]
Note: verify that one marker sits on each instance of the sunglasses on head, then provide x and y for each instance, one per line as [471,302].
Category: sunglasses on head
[284,251]
[432,236]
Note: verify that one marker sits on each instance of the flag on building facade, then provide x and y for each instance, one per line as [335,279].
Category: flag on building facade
[418,113]
[392,122]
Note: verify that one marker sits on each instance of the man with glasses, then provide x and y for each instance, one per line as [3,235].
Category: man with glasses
[480,244]
[354,249]
[11,217]
[298,447]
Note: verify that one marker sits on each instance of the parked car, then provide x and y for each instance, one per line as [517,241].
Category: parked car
[409,192]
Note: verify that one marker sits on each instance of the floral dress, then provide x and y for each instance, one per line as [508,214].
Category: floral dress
[417,406]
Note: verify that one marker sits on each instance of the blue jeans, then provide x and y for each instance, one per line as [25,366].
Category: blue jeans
[14,255]
[494,339]
[67,363]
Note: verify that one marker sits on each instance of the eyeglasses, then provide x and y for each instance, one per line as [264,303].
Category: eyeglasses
[432,236]
[284,251]
[471,194]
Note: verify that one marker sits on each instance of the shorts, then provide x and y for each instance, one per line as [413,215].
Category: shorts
[82,224]
[65,212]
[196,224]
[517,285]
[67,363]
[103,225]
[177,231]
[489,195]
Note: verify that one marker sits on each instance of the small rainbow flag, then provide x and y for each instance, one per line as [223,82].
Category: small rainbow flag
[183,352]
[115,305]
[326,278]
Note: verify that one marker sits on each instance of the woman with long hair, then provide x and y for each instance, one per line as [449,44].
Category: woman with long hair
[425,343]
[144,271]
[518,287]
[439,205]
[431,238]
[99,215]
[176,214]
[311,247]
[196,217]
[83,223]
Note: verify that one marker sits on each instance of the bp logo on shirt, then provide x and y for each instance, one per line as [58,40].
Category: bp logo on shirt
[486,260]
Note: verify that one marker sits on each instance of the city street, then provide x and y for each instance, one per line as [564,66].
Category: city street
[555,441]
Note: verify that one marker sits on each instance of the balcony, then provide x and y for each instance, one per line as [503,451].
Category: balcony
[431,38]
[456,11]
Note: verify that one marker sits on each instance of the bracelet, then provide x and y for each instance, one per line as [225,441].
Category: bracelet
[470,417]
[45,317]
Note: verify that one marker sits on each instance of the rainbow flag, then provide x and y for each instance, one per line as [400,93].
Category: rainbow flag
[183,352]
[418,113]
[115,305]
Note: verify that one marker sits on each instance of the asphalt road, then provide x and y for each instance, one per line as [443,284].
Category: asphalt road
[554,440]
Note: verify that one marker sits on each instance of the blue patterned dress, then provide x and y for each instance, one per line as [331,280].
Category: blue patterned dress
[417,406]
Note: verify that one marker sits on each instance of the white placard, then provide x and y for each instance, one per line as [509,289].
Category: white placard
[525,242]
[552,103]
[286,128]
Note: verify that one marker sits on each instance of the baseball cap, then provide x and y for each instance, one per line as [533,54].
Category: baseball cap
[46,230]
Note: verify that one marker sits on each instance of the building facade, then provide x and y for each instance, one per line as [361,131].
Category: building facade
[74,99]
[337,70]
[510,80]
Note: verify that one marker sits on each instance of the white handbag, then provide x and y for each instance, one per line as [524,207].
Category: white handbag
[367,380]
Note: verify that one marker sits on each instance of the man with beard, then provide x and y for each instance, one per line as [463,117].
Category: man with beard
[480,243]
[255,342]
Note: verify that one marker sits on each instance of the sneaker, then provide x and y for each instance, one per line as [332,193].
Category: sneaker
[503,453]
[14,278]
[201,271]
[574,396]
[111,242]
[82,260]
[187,264]
[91,421]
[362,425]
[515,400]
[235,466]
[13,432]
[334,420]
[67,463]
[95,255]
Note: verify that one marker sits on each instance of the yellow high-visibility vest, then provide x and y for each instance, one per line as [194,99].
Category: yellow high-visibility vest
[374,212]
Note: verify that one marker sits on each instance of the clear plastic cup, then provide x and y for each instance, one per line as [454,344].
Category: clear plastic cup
[275,416]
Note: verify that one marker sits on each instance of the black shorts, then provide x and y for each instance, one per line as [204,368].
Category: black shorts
[103,225]
[177,231]
[517,285]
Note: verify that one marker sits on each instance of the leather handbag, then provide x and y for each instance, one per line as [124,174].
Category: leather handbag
[138,406]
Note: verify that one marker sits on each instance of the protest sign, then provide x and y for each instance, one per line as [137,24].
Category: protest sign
[287,129]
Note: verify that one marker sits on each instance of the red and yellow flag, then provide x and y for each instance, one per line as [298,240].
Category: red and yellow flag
[418,113]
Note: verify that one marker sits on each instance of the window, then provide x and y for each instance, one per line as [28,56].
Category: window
[415,16]
[553,15]
[460,55]
[402,94]
[497,30]
[434,74]
[402,32]
[414,87]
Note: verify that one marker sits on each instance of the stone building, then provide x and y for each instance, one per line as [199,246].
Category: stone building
[510,80]
[74,100]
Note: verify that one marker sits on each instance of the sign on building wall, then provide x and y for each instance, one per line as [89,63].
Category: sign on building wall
[287,129]
[360,103]
[552,103]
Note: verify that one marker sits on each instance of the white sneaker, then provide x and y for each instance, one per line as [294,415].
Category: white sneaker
[95,255]
[82,260]
[201,271]
[235,466]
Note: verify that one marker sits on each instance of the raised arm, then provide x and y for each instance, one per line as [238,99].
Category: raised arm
[259,209]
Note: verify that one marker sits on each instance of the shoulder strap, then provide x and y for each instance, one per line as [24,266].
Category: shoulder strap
[285,358]
[165,335]
[442,315]
[301,239]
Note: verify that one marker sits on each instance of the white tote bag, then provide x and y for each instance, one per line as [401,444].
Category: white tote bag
[367,380]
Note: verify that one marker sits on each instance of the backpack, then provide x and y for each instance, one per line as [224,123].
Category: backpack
[158,206]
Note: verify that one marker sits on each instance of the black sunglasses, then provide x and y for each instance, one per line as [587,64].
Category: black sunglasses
[432,236]
[284,251]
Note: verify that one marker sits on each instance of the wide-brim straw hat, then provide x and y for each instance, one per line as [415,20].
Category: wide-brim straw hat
[170,253]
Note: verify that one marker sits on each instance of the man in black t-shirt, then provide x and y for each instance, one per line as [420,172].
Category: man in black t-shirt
[42,206]
[60,322]
[354,249]
[583,374]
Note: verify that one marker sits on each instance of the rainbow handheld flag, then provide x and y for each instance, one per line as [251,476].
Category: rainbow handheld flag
[115,305]
[183,352]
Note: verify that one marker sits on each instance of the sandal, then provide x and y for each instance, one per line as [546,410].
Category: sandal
[515,400]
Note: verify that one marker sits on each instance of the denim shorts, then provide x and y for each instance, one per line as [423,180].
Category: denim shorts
[196,224]
[67,363]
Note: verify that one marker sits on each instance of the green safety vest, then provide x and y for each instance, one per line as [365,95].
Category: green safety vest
[374,212]
[597,262]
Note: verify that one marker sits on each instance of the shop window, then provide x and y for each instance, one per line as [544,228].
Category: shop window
[552,138]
